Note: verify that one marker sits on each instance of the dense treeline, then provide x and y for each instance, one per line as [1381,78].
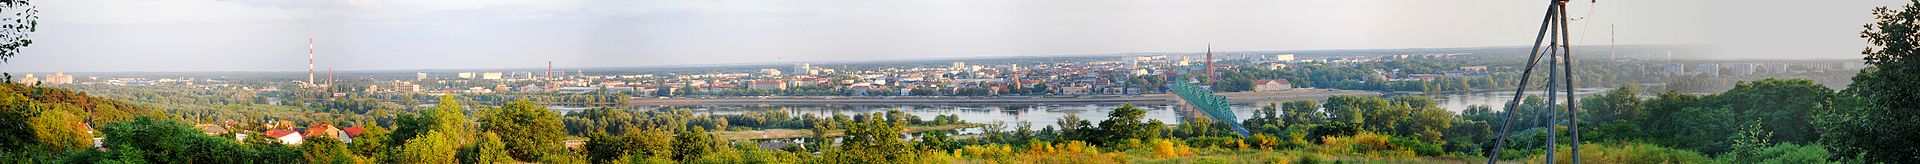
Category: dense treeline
[43,123]
[1362,76]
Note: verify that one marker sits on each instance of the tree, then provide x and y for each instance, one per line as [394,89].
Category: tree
[1611,116]
[873,140]
[529,131]
[1124,123]
[692,143]
[434,147]
[445,117]
[1351,110]
[163,141]
[489,149]
[372,143]
[1302,112]
[59,130]
[1430,124]
[1880,123]
[13,34]
[1786,105]
[326,150]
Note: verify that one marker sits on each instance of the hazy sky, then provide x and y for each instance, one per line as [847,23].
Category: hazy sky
[271,35]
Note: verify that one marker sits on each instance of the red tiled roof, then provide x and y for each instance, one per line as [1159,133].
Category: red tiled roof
[277,133]
[354,131]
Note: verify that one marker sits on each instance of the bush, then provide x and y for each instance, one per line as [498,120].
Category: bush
[1364,143]
[1067,152]
[1422,148]
[1168,149]
[1214,142]
[1783,153]
[1626,153]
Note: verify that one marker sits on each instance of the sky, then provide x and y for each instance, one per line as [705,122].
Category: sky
[272,35]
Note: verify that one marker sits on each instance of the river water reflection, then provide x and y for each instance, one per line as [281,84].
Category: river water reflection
[1042,115]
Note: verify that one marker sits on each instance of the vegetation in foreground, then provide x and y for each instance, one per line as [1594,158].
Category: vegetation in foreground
[1764,121]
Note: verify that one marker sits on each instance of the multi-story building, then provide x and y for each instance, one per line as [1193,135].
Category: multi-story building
[60,78]
[768,85]
[405,87]
[490,76]
[1709,69]
[29,80]
[1740,69]
[1673,69]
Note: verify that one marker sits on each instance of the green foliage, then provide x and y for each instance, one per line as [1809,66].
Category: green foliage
[1610,116]
[1786,105]
[51,119]
[872,139]
[1748,140]
[326,150]
[1303,112]
[1351,110]
[1626,152]
[1880,122]
[371,144]
[1784,153]
[489,149]
[1370,145]
[445,117]
[645,144]
[433,147]
[692,143]
[13,36]
[1124,123]
[530,131]
[160,141]
[59,130]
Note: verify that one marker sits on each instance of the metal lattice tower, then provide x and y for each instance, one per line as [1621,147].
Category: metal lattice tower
[1559,74]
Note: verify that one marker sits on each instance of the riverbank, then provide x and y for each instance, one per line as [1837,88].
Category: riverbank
[806,133]
[1234,97]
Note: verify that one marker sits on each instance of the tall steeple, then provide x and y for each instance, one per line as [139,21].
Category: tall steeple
[1210,64]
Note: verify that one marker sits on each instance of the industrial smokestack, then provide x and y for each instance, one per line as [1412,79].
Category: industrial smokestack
[309,61]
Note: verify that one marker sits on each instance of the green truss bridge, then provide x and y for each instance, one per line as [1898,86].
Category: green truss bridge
[1192,100]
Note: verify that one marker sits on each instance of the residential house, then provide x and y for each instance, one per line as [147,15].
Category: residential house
[286,136]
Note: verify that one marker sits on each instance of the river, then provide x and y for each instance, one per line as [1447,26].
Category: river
[1047,114]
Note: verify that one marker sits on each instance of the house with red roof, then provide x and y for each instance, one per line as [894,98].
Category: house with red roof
[328,131]
[286,136]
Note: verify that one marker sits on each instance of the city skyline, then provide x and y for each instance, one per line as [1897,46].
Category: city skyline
[400,35]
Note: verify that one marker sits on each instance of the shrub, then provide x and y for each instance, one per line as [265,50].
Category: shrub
[1168,149]
[1364,143]
[1214,142]
[1626,153]
[1783,153]
[1068,152]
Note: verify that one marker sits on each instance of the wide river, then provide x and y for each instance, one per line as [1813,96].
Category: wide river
[1047,114]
